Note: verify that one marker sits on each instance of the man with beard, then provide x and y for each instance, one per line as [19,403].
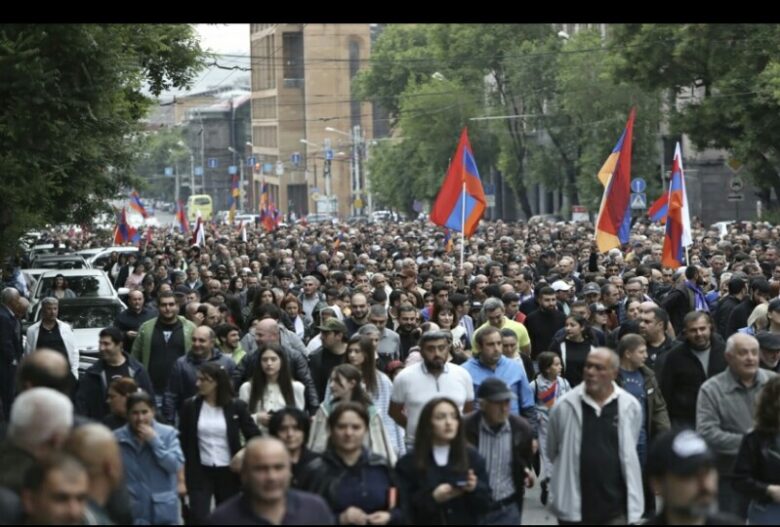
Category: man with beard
[408,329]
[682,471]
[759,293]
[543,323]
[161,341]
[691,362]
[358,304]
[433,377]
[686,297]
[652,326]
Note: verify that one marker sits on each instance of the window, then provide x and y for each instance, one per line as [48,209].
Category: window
[264,136]
[292,55]
[264,108]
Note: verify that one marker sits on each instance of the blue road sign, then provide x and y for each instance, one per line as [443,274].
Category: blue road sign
[213,162]
[168,171]
[250,161]
[198,171]
[638,185]
[268,168]
[329,154]
[296,158]
[232,169]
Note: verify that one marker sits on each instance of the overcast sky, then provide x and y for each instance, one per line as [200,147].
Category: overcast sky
[224,38]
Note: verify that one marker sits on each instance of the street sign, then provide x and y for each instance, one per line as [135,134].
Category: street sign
[314,190]
[213,162]
[638,185]
[327,143]
[736,196]
[279,168]
[735,165]
[296,158]
[358,203]
[168,171]
[490,200]
[639,200]
[329,154]
[250,161]
[268,168]
[736,184]
[198,171]
[232,169]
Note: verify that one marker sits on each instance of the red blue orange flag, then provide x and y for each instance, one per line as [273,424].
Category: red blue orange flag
[181,218]
[678,221]
[233,199]
[461,199]
[137,205]
[658,210]
[614,220]
[123,232]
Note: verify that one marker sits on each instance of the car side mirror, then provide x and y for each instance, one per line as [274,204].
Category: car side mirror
[123,291]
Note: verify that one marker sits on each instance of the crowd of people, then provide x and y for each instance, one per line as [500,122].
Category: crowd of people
[359,374]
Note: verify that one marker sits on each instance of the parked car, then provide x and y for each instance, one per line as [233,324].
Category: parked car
[59,261]
[85,283]
[87,316]
[101,259]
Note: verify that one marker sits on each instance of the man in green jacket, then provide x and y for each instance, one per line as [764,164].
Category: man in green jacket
[161,341]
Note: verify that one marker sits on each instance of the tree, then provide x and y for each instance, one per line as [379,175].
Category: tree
[722,83]
[73,97]
[161,149]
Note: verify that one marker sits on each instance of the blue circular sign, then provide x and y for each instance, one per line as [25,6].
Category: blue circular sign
[638,185]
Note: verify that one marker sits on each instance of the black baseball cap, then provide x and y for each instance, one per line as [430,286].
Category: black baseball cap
[768,341]
[495,390]
[682,452]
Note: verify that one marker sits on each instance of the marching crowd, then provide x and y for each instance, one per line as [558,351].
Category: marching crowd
[359,374]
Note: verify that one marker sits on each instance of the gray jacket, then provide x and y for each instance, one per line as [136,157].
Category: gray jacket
[564,439]
[724,413]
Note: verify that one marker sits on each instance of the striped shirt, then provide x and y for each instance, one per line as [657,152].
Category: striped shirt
[496,448]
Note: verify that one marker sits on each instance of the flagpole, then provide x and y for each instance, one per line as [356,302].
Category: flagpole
[463,227]
[687,261]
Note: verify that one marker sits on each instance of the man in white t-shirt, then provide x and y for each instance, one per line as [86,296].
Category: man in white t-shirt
[434,377]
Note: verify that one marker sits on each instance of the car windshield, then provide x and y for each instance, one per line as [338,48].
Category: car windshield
[85,285]
[85,316]
[59,264]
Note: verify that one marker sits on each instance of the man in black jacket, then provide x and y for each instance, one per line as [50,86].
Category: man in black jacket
[691,362]
[332,353]
[10,346]
[682,299]
[759,293]
[113,364]
[509,468]
[543,323]
[129,320]
[727,304]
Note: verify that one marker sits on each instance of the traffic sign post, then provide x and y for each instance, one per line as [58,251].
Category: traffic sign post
[638,185]
[250,161]
[639,200]
[213,162]
[232,170]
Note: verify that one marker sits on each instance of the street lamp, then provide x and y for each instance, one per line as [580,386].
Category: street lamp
[357,173]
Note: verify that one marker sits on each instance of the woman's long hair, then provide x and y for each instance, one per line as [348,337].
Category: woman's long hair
[220,375]
[350,373]
[768,408]
[423,439]
[587,334]
[368,368]
[260,381]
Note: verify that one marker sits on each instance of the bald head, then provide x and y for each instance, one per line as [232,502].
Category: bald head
[98,450]
[44,368]
[267,331]
[9,297]
[266,471]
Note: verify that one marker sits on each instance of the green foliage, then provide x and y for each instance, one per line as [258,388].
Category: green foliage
[735,71]
[568,107]
[72,100]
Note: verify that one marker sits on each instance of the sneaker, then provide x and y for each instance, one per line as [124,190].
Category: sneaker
[544,493]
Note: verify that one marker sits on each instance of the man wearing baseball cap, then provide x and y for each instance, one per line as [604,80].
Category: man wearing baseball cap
[769,351]
[682,471]
[332,353]
[504,440]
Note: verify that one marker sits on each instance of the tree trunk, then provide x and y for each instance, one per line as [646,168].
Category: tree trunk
[521,191]
[571,187]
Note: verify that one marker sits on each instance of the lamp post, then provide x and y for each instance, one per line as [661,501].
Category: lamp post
[357,142]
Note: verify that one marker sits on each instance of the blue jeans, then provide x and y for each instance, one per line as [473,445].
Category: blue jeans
[509,515]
